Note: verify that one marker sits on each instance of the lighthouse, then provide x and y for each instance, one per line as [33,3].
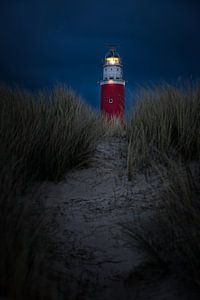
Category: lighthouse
[112,86]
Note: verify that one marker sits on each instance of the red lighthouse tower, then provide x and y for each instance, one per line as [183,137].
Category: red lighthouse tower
[112,86]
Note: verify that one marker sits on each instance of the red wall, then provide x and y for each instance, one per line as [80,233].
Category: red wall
[116,92]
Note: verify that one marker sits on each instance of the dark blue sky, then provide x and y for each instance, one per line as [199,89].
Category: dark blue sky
[47,42]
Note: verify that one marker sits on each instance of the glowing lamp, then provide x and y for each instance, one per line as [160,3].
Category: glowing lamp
[112,60]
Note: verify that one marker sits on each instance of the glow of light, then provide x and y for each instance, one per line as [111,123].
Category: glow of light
[112,60]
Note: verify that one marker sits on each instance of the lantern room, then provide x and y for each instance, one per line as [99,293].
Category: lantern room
[112,67]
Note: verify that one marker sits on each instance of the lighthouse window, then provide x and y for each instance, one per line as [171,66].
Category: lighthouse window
[110,100]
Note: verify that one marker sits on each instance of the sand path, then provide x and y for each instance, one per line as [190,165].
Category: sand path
[90,206]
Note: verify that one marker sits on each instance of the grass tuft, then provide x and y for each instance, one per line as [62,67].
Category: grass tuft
[165,122]
[164,137]
[113,127]
[42,136]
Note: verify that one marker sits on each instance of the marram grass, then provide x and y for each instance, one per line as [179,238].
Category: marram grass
[164,121]
[164,136]
[46,134]
[42,136]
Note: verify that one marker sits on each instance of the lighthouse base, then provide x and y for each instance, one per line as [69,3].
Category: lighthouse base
[113,98]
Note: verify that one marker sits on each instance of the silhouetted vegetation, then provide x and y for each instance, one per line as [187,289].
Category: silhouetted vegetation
[164,121]
[42,136]
[164,136]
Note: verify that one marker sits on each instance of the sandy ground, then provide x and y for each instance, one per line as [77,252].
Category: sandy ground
[90,207]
